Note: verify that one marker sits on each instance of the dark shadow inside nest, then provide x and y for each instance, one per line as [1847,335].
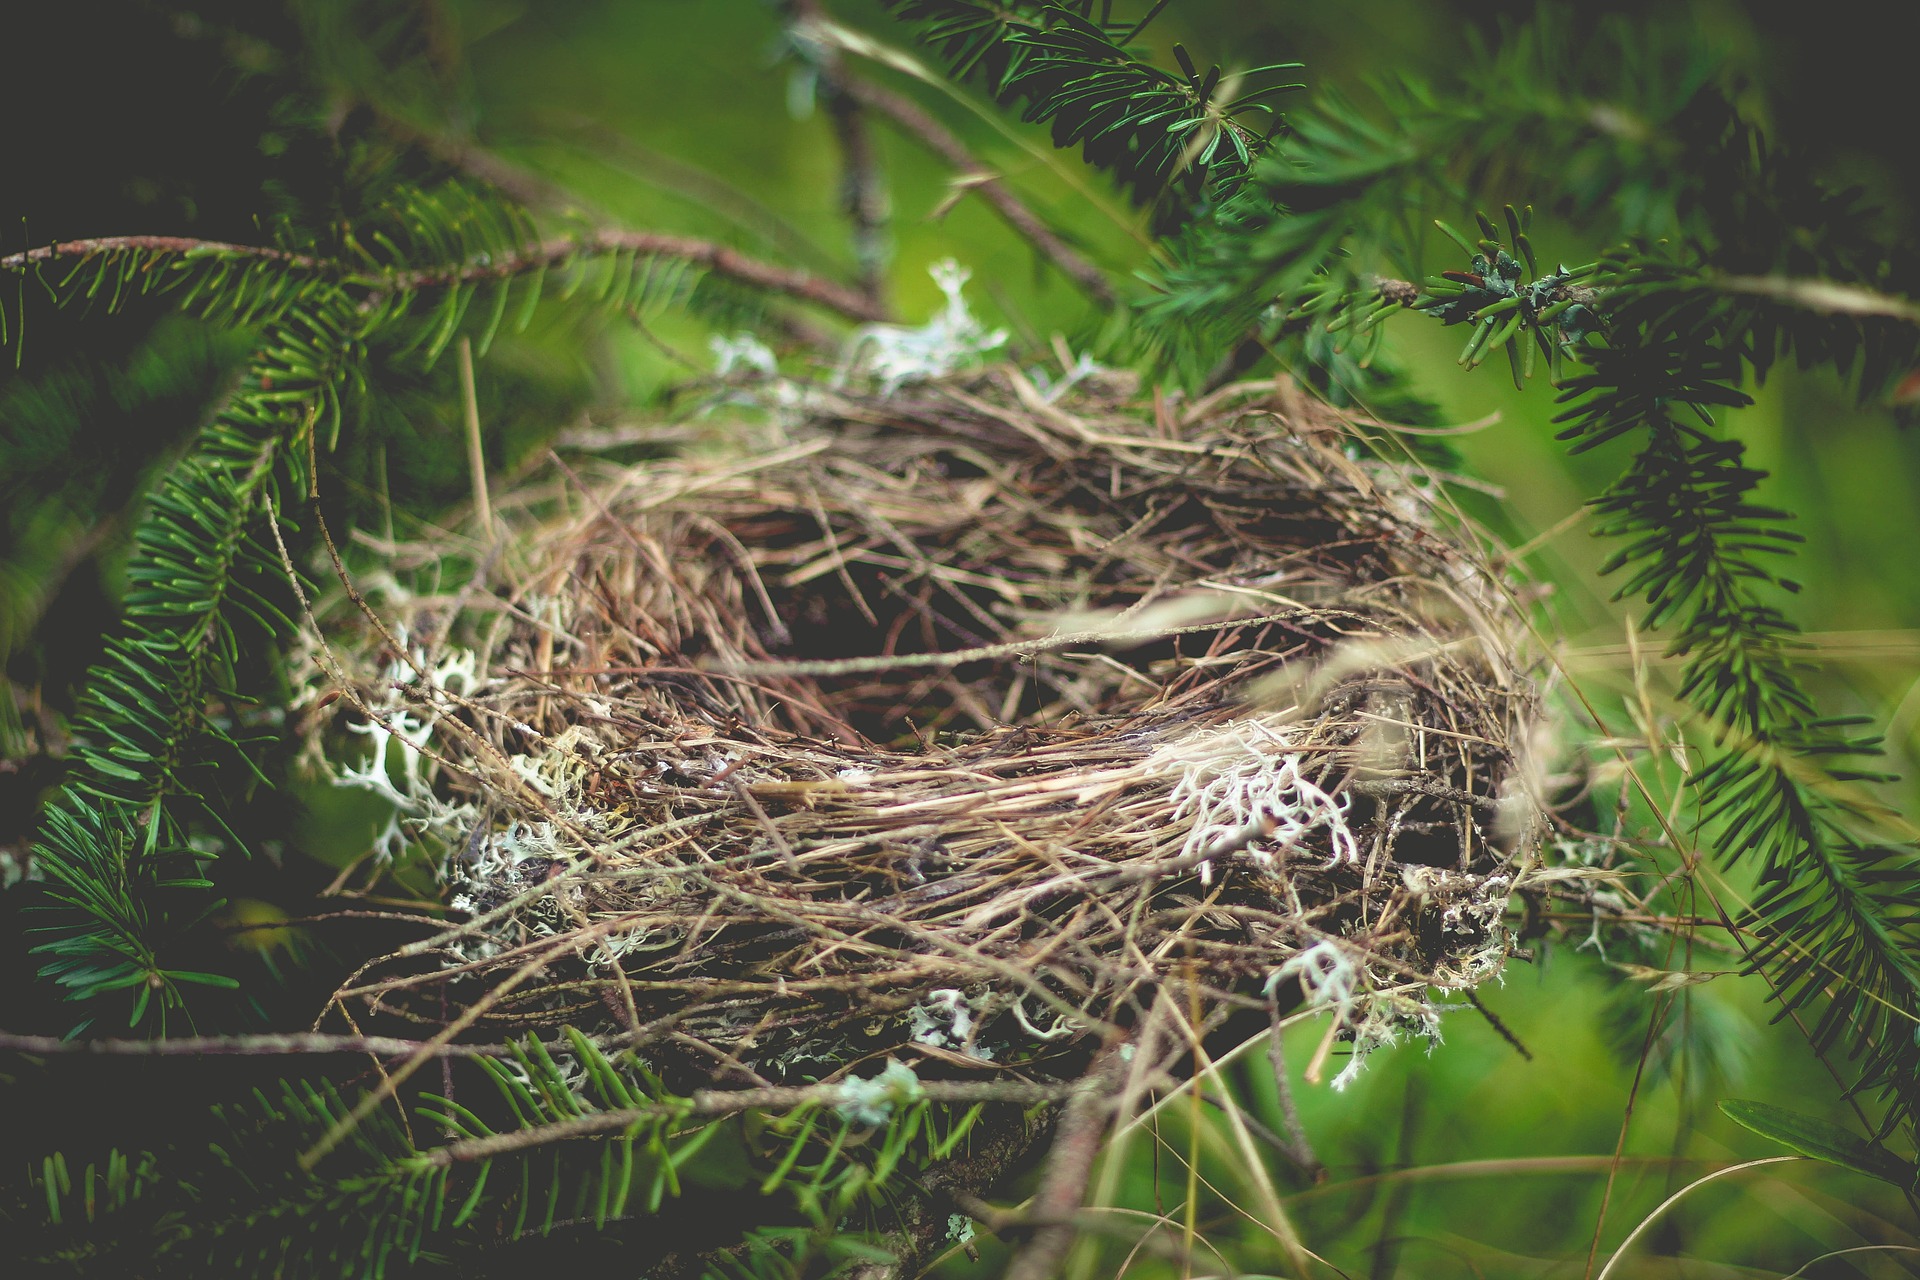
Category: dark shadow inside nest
[869,612]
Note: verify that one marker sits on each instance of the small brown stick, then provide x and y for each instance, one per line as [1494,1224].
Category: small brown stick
[1294,1143]
[766,824]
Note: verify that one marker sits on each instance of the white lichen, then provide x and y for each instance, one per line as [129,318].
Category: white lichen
[17,865]
[948,1019]
[871,1102]
[1244,775]
[400,730]
[893,355]
[742,351]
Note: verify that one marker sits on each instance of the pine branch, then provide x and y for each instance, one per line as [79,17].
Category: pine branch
[116,843]
[186,246]
[1837,916]
[149,262]
[1165,137]
[576,1137]
[1663,346]
[719,259]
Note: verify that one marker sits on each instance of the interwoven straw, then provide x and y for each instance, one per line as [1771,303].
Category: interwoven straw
[962,724]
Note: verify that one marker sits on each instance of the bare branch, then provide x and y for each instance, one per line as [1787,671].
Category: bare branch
[863,193]
[1063,1185]
[245,1046]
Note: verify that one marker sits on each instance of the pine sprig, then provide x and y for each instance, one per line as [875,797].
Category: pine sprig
[1166,137]
[1633,132]
[1836,915]
[572,1136]
[117,839]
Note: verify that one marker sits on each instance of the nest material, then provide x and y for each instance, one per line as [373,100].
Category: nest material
[961,724]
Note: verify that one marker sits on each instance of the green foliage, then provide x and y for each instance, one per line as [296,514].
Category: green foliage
[1734,260]
[116,842]
[1835,917]
[1814,1137]
[239,1202]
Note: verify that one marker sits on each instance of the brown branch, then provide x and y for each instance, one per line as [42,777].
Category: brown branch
[246,1046]
[863,195]
[716,258]
[158,244]
[946,144]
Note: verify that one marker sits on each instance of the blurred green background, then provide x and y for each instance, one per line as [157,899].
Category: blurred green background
[680,115]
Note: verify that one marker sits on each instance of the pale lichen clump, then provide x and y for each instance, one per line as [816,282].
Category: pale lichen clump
[1241,778]
[401,713]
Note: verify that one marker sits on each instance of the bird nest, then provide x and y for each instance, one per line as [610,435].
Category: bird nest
[964,725]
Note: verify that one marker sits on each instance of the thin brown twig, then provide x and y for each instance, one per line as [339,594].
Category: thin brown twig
[159,244]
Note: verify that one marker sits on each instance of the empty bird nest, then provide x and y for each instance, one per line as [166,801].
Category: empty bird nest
[964,725]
